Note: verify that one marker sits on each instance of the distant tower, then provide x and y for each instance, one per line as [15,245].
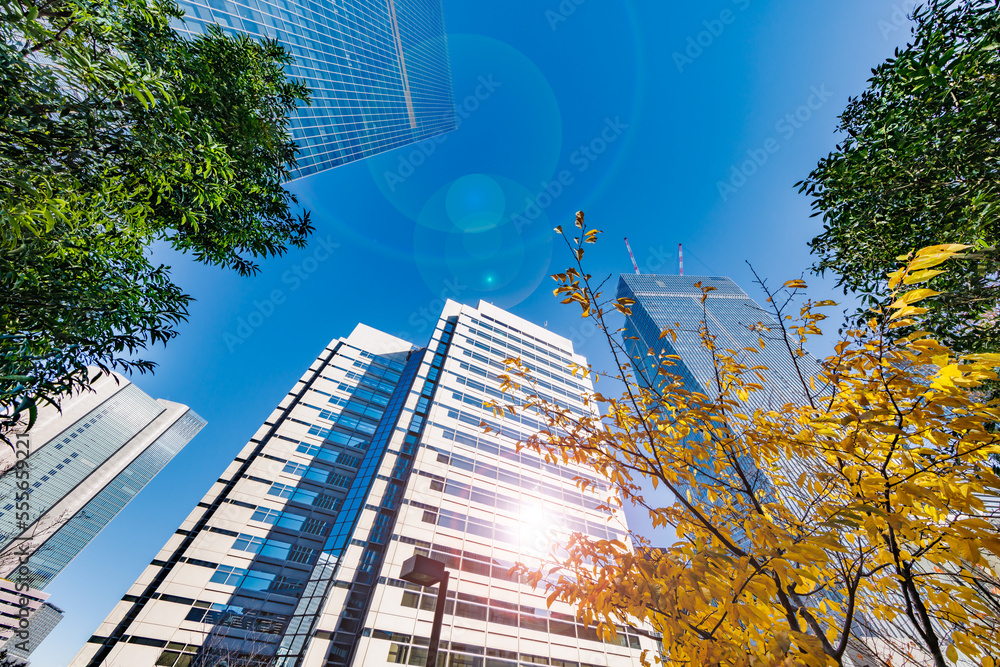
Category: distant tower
[665,301]
[43,621]
[85,464]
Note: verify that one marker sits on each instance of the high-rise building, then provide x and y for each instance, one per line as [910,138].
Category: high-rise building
[378,453]
[82,466]
[734,319]
[673,302]
[18,608]
[40,624]
[378,70]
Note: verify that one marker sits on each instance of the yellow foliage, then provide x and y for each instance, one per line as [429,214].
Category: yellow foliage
[793,519]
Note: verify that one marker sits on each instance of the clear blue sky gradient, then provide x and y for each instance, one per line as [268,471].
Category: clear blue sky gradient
[638,111]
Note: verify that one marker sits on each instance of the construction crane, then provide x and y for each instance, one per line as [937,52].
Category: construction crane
[631,255]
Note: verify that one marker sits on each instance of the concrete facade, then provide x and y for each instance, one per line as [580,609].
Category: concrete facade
[379,450]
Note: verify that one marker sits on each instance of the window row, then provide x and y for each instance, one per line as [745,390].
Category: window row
[497,394]
[304,496]
[405,650]
[524,460]
[272,548]
[500,427]
[572,391]
[251,620]
[491,497]
[255,580]
[521,338]
[506,350]
[479,608]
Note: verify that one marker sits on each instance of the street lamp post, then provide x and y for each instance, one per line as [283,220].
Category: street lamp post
[425,571]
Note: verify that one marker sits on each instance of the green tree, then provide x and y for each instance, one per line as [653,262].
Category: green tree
[115,133]
[919,166]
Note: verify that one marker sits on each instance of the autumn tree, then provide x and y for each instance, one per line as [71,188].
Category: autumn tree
[854,518]
[116,133]
[916,166]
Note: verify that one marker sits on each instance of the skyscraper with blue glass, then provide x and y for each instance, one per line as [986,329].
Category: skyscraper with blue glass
[293,558]
[736,322]
[673,302]
[378,70]
[84,465]
[71,474]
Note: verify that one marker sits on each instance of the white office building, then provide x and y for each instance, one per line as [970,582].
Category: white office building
[377,453]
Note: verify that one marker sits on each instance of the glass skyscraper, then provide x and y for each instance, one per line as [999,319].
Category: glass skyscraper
[17,603]
[736,321]
[666,301]
[41,623]
[85,464]
[669,301]
[378,70]
[378,453]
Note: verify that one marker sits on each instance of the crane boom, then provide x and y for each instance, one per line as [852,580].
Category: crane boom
[636,266]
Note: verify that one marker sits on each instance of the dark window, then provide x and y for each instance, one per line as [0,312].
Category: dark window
[473,611]
[503,617]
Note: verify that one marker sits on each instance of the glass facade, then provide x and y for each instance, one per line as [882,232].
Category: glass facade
[80,476]
[667,301]
[378,70]
[323,576]
[72,536]
[57,467]
[736,321]
[378,453]
[664,301]
[42,622]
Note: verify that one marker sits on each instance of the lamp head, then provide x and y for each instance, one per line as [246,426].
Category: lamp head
[422,571]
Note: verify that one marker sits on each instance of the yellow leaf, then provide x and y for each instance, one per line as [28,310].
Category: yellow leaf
[913,296]
[905,312]
[945,247]
[928,261]
[921,276]
[946,377]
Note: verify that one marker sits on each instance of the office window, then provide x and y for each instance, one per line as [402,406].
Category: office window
[228,575]
[265,515]
[248,543]
[281,490]
[295,469]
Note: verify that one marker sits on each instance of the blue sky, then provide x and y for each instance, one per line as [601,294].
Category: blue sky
[665,122]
